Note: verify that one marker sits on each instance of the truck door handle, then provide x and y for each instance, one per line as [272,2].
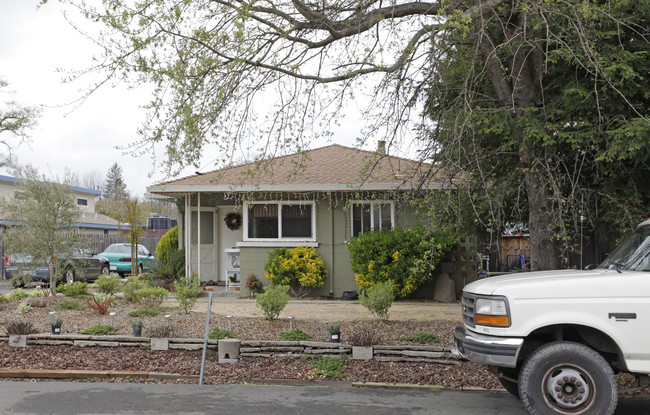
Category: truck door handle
[623,316]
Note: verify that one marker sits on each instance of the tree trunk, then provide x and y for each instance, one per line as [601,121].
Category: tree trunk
[515,87]
[543,244]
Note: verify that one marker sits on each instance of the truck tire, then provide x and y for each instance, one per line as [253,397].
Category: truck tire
[567,378]
[510,386]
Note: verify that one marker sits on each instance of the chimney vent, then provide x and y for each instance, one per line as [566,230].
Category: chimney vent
[381,147]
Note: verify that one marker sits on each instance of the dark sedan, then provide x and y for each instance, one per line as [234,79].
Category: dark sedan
[81,266]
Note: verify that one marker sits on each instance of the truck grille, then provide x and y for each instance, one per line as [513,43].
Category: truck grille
[468,309]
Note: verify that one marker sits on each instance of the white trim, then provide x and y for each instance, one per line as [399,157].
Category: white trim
[276,244]
[311,187]
[372,204]
[299,241]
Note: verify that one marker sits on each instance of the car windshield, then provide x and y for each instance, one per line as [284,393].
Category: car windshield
[633,254]
[118,249]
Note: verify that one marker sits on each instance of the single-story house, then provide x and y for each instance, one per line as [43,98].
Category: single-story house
[319,198]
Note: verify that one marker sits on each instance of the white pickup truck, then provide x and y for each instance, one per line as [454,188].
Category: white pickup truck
[555,339]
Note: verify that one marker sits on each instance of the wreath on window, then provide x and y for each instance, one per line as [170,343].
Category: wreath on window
[233,220]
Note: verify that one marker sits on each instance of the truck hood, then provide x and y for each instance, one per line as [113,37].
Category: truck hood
[560,283]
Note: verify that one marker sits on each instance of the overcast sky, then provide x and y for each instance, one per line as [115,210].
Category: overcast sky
[35,45]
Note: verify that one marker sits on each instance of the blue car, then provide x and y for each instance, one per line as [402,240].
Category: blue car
[119,256]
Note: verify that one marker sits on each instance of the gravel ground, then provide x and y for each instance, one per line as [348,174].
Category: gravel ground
[464,375]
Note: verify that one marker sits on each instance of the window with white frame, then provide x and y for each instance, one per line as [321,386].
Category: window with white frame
[371,216]
[82,202]
[280,221]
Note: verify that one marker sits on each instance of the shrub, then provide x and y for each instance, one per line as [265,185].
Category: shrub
[153,311]
[273,300]
[363,336]
[219,334]
[69,305]
[16,295]
[160,330]
[99,302]
[75,289]
[24,279]
[24,308]
[295,334]
[378,299]
[133,284]
[20,327]
[3,300]
[171,267]
[168,243]
[421,337]
[55,321]
[152,296]
[136,323]
[36,293]
[254,285]
[326,366]
[186,292]
[100,330]
[108,284]
[300,268]
[407,258]
[333,328]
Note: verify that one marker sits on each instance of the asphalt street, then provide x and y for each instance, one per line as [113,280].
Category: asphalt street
[107,398]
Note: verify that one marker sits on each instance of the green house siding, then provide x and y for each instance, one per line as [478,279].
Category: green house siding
[333,232]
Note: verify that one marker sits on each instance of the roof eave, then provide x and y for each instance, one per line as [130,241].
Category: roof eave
[166,189]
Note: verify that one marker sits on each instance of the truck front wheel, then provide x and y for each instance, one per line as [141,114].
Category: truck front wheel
[567,378]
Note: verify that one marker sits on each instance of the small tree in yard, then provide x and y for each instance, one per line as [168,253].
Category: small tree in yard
[134,230]
[273,300]
[378,299]
[43,214]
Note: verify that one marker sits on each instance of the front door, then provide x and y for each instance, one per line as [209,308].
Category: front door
[207,249]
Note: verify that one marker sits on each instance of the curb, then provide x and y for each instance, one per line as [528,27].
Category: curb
[114,374]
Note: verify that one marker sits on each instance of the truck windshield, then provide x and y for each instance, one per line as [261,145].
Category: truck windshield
[633,254]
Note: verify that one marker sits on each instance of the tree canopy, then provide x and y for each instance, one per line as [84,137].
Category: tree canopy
[114,186]
[549,95]
[15,122]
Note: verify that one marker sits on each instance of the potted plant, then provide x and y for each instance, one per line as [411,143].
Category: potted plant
[55,323]
[136,325]
[334,330]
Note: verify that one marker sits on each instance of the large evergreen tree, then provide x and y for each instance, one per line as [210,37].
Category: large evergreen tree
[115,188]
[551,127]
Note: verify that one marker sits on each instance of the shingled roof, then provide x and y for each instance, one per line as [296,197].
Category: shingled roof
[331,168]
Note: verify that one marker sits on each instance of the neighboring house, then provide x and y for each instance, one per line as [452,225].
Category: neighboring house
[90,222]
[320,198]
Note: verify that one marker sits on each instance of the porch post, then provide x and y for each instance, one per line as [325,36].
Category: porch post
[188,240]
[198,246]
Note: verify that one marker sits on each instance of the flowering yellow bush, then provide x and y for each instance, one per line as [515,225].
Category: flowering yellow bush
[406,258]
[300,268]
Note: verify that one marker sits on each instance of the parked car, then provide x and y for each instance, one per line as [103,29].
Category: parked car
[119,256]
[82,265]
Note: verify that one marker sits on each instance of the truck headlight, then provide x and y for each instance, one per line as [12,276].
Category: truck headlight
[492,312]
